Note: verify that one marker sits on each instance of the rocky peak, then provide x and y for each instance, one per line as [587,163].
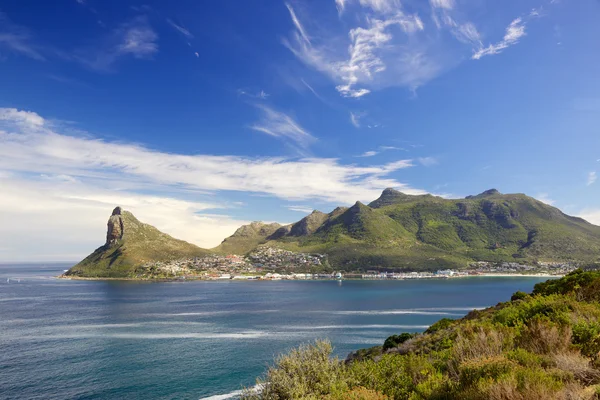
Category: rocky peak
[390,192]
[389,196]
[308,224]
[115,227]
[487,193]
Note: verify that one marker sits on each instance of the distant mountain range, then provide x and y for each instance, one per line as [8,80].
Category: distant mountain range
[396,231]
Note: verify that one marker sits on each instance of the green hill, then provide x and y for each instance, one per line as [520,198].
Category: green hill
[544,345]
[401,231]
[130,243]
[397,231]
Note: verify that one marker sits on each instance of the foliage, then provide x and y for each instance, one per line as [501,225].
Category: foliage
[540,346]
[395,340]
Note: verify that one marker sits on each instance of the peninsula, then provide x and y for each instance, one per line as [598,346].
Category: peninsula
[394,235]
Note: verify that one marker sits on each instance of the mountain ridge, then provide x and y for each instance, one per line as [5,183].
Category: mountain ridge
[396,231]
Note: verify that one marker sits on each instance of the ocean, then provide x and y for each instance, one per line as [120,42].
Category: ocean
[62,339]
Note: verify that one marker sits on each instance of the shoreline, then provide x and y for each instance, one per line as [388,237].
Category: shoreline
[194,279]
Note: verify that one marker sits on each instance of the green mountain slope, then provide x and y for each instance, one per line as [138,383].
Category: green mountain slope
[427,232]
[130,243]
[248,237]
[544,345]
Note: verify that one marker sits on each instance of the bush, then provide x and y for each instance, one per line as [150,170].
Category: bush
[359,393]
[307,372]
[586,337]
[395,340]
[397,376]
[443,323]
[544,337]
[519,296]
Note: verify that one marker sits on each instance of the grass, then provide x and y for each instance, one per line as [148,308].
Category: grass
[540,346]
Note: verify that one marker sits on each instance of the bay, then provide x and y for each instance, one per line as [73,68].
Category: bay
[63,339]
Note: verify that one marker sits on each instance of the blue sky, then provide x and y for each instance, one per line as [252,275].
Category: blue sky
[202,116]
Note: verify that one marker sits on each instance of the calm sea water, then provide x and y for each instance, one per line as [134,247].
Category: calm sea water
[192,340]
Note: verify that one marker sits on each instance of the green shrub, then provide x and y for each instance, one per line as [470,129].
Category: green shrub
[443,323]
[395,340]
[586,337]
[519,296]
[307,372]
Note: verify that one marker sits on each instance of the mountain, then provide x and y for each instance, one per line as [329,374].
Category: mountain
[130,243]
[247,237]
[396,231]
[426,232]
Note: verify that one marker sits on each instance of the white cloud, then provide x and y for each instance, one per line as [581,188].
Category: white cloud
[27,118]
[369,154]
[58,190]
[355,119]
[43,150]
[445,4]
[262,95]
[428,161]
[66,219]
[592,177]
[591,215]
[544,198]
[302,209]
[196,54]
[297,23]
[281,125]
[17,39]
[370,52]
[135,38]
[180,29]
[514,32]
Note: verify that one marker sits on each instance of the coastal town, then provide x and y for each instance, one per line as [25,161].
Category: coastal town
[268,263]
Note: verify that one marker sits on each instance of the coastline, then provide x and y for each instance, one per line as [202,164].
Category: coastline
[193,279]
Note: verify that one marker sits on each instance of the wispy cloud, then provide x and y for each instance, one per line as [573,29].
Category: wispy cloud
[591,215]
[17,39]
[388,46]
[261,94]
[281,125]
[514,32]
[302,209]
[355,119]
[368,51]
[369,153]
[135,39]
[28,144]
[592,177]
[428,161]
[379,150]
[180,29]
[545,198]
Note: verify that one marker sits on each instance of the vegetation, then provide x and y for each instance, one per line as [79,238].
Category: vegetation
[139,243]
[404,232]
[540,346]
[395,232]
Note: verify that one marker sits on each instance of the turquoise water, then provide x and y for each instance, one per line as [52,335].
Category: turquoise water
[64,339]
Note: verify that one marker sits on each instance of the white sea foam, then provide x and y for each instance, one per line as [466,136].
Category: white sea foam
[391,312]
[231,395]
[148,336]
[327,327]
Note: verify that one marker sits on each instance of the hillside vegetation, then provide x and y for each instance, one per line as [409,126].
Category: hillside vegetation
[544,345]
[400,231]
[395,232]
[131,243]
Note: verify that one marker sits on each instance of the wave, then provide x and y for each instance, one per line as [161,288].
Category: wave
[392,312]
[327,327]
[149,336]
[231,395]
